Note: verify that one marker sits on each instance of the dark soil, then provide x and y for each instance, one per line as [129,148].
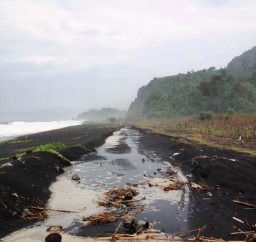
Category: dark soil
[24,182]
[228,174]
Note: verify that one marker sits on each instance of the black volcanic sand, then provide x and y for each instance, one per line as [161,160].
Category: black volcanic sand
[25,182]
[89,135]
[229,175]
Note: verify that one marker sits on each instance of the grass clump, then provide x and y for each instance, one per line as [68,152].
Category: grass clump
[15,141]
[51,147]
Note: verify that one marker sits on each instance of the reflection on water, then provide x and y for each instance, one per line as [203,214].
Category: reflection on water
[121,164]
[118,163]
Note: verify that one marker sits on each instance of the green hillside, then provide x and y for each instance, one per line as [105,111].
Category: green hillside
[205,90]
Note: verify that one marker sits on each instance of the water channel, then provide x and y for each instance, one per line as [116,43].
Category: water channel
[120,162]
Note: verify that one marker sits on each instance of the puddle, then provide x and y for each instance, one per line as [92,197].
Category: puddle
[118,163]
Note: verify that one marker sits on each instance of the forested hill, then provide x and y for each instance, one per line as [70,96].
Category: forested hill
[207,90]
[101,114]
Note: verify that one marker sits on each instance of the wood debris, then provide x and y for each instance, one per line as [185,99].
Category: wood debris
[120,193]
[140,208]
[242,232]
[33,214]
[120,198]
[199,187]
[105,217]
[55,210]
[174,186]
[238,220]
[208,239]
[244,203]
[153,234]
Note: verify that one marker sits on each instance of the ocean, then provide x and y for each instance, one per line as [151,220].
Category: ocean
[15,129]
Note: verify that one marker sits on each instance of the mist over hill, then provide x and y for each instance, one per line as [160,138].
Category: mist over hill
[101,114]
[206,90]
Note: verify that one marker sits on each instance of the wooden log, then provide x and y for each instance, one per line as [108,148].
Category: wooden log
[244,203]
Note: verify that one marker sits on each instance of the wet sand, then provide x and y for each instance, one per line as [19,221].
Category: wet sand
[229,175]
[25,182]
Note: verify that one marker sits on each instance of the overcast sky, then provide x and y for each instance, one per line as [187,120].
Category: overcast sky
[80,54]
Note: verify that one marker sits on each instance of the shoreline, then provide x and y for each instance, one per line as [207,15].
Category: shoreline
[25,182]
[89,135]
[228,175]
[23,128]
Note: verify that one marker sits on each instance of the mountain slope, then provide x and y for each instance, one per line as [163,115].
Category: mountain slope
[243,64]
[211,89]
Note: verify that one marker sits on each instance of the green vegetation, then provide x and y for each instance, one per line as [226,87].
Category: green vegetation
[230,88]
[51,147]
[206,115]
[210,106]
[15,141]
[230,112]
[218,131]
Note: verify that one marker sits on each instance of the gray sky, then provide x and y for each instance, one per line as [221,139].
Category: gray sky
[72,55]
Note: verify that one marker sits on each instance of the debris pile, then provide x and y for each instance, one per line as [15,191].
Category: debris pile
[174,186]
[105,217]
[149,233]
[120,198]
[33,214]
[165,184]
[250,232]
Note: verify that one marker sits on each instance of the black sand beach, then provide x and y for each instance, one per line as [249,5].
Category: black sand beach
[25,182]
[227,176]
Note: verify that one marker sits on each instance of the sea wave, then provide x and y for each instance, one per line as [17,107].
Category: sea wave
[18,128]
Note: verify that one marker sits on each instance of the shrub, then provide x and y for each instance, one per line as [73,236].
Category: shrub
[206,115]
[230,112]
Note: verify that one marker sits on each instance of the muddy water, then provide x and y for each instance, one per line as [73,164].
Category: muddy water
[118,163]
